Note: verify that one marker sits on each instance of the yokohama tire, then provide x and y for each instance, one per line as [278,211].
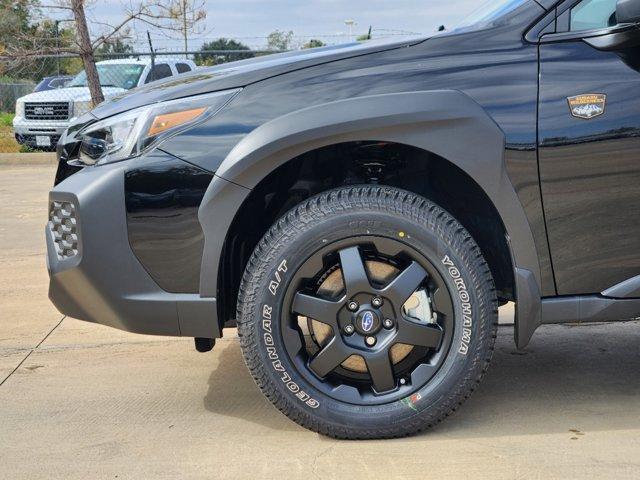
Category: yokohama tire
[349,218]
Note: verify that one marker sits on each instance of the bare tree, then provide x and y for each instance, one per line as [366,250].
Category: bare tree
[185,15]
[173,15]
[86,51]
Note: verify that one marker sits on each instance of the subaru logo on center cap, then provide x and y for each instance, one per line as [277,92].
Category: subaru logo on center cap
[367,322]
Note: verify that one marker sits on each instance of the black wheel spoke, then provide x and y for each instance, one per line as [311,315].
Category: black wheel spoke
[316,308]
[353,271]
[411,333]
[381,371]
[292,340]
[407,282]
[442,302]
[327,359]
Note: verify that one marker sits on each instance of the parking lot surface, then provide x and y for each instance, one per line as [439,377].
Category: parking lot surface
[88,402]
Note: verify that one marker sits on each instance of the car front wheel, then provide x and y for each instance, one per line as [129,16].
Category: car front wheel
[367,312]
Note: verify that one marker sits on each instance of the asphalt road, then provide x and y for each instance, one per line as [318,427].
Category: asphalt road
[88,402]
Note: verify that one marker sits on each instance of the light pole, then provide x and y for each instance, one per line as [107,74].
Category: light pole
[350,23]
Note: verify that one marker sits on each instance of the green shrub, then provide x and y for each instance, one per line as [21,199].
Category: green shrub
[26,149]
[6,119]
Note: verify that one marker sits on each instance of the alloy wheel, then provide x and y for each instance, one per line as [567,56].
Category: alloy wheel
[380,333]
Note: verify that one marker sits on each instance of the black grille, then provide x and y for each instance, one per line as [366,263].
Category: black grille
[46,111]
[64,228]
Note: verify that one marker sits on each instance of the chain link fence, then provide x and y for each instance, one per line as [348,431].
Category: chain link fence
[34,113]
[9,93]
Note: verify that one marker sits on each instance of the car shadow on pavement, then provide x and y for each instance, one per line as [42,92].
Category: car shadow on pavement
[232,391]
[571,379]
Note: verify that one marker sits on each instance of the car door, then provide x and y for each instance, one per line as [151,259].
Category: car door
[589,146]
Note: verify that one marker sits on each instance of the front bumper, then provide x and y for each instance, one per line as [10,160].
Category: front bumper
[26,130]
[31,141]
[22,126]
[95,276]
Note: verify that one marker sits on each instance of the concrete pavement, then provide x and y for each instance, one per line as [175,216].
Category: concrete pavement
[84,401]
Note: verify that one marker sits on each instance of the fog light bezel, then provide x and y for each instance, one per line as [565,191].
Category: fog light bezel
[63,227]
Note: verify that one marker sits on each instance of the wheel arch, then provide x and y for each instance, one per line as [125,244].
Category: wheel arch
[446,124]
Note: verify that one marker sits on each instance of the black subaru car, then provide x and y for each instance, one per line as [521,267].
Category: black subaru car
[361,211]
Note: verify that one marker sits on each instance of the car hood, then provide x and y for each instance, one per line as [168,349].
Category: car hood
[242,73]
[75,94]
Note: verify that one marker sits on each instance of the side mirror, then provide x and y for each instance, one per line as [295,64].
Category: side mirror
[626,33]
[628,11]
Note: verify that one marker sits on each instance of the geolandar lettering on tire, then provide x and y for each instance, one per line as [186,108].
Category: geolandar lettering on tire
[465,299]
[272,352]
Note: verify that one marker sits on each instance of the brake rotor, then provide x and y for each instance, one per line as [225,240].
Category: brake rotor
[332,286]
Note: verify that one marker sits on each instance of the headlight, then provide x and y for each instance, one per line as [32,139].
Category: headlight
[80,108]
[131,133]
[19,108]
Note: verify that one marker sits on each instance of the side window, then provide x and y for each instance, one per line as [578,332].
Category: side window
[593,14]
[58,82]
[161,70]
[183,68]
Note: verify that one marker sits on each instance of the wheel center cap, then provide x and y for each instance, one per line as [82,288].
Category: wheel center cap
[368,322]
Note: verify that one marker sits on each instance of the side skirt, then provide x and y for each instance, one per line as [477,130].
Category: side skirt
[589,308]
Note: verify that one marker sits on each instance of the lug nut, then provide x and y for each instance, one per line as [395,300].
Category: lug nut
[377,302]
[353,306]
[370,341]
[388,323]
[403,381]
[349,329]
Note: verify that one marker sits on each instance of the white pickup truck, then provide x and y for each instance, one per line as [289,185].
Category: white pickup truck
[41,117]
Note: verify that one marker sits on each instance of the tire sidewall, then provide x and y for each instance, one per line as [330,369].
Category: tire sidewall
[284,254]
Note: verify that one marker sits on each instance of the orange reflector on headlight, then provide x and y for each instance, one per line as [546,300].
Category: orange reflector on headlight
[167,121]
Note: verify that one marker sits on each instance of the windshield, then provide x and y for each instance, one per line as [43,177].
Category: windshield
[488,12]
[123,75]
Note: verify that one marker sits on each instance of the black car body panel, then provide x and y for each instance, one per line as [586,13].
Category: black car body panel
[162,201]
[589,169]
[241,73]
[491,101]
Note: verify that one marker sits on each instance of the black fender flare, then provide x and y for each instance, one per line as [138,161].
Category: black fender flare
[447,123]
